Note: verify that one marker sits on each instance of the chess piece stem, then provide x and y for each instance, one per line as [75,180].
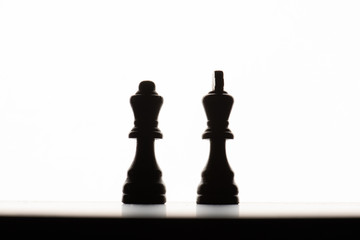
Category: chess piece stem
[145,158]
[217,157]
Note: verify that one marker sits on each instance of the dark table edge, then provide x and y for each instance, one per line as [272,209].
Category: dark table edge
[167,228]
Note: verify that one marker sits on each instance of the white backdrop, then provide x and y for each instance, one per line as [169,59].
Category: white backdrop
[68,69]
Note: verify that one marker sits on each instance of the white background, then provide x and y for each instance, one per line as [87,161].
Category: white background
[68,69]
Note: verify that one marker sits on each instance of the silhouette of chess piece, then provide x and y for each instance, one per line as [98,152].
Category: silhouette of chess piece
[144,184]
[217,185]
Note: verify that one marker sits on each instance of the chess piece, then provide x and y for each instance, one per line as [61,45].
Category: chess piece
[144,184]
[217,185]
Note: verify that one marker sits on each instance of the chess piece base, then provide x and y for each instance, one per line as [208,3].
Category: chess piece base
[218,192]
[217,199]
[143,199]
[144,192]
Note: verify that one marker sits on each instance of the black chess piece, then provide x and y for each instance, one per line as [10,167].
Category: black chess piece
[144,184]
[217,185]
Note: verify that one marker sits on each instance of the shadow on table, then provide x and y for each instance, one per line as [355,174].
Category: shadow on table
[222,211]
[143,210]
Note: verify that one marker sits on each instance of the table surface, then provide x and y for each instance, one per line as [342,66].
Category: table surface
[179,210]
[247,220]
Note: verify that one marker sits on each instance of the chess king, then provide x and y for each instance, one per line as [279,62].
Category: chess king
[144,184]
[217,185]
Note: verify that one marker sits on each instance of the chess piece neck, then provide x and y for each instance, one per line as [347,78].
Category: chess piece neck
[145,152]
[217,156]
